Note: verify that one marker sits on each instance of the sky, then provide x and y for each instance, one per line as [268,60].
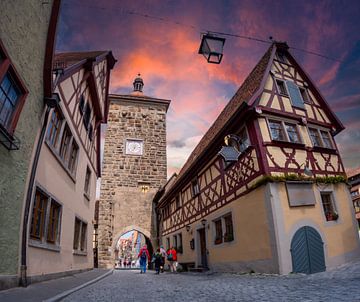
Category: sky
[160,40]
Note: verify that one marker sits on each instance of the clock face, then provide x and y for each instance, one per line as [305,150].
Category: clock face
[134,147]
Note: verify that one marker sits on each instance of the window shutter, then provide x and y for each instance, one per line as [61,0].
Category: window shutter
[295,95]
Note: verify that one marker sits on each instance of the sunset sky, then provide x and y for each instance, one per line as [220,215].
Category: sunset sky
[166,54]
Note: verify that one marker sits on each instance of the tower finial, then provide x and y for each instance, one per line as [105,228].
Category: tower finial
[138,83]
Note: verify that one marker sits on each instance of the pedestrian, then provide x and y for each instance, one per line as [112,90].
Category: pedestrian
[143,256]
[172,258]
[157,258]
[163,257]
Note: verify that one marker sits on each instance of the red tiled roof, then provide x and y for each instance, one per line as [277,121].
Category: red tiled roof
[352,172]
[66,59]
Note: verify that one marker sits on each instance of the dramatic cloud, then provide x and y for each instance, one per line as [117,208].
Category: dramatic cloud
[165,53]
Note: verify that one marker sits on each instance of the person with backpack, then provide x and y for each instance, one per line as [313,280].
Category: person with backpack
[172,258]
[143,256]
[157,259]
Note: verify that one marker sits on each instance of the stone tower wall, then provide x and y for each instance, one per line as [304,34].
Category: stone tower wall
[123,206]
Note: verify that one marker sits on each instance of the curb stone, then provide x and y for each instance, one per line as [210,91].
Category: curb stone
[66,293]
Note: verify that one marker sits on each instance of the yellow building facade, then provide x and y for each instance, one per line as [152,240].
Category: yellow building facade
[283,204]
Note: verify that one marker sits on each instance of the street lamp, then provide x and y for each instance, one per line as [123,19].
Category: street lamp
[211,48]
[203,222]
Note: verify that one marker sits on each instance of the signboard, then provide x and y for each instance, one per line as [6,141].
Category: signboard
[300,193]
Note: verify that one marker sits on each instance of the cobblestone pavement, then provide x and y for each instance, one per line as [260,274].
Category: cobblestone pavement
[342,284]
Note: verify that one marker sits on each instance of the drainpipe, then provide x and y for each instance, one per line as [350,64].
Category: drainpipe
[50,103]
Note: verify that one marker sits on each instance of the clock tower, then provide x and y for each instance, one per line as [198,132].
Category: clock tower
[134,168]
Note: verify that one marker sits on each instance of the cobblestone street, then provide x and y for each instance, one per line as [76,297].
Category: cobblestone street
[342,284]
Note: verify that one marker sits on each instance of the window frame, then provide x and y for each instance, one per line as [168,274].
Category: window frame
[304,91]
[319,133]
[332,215]
[195,187]
[80,240]
[219,224]
[284,130]
[7,67]
[53,142]
[44,241]
[87,182]
[283,83]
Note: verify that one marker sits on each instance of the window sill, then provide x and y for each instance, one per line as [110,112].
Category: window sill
[44,245]
[285,144]
[324,149]
[61,161]
[79,253]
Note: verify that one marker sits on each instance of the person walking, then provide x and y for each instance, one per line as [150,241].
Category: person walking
[172,258]
[163,257]
[157,261]
[143,256]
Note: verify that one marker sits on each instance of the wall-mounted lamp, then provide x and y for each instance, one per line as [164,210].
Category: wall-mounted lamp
[188,228]
[203,222]
[307,170]
[211,48]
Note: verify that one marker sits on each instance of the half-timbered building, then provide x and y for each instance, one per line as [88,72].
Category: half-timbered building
[63,204]
[282,204]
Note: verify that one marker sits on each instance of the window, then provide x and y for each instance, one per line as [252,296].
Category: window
[281,87]
[53,226]
[222,224]
[218,232]
[329,207]
[80,233]
[326,139]
[73,156]
[38,215]
[45,220]
[177,201]
[81,104]
[12,94]
[65,142]
[87,181]
[284,131]
[9,95]
[180,247]
[167,243]
[86,116]
[195,187]
[54,127]
[304,95]
[229,233]
[292,133]
[320,138]
[277,131]
[243,140]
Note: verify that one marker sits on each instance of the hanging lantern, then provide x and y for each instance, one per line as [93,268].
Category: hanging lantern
[211,48]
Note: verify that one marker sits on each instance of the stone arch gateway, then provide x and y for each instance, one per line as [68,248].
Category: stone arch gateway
[134,168]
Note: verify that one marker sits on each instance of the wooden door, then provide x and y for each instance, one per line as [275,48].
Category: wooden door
[203,250]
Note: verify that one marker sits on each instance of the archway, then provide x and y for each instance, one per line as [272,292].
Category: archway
[307,251]
[127,247]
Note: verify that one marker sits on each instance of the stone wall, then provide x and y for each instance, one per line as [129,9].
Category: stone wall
[23,31]
[123,205]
